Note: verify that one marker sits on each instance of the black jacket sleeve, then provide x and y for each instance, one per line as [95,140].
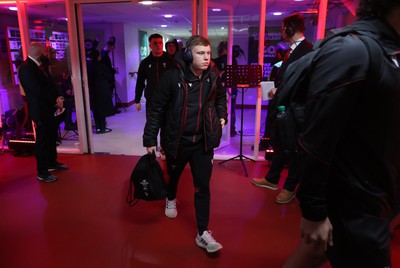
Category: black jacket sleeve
[336,82]
[140,82]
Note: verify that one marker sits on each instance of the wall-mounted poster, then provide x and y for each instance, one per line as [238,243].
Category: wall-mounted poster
[272,38]
[144,45]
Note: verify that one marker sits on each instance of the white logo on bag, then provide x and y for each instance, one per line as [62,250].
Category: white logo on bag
[145,183]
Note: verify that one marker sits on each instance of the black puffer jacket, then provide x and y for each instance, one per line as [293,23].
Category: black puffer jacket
[170,102]
[350,157]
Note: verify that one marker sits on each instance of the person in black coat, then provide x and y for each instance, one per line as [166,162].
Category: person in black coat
[150,71]
[292,31]
[44,101]
[348,147]
[99,89]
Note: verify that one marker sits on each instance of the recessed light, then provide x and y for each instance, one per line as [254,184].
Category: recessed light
[146,3]
[13,8]
[216,9]
[277,13]
[163,26]
[167,16]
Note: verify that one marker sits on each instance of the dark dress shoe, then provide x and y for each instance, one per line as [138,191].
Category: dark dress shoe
[57,167]
[47,178]
[102,131]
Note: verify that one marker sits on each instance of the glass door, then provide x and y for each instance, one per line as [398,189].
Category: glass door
[48,25]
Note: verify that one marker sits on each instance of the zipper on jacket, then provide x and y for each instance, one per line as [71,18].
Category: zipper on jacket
[211,120]
[184,114]
[199,112]
[157,72]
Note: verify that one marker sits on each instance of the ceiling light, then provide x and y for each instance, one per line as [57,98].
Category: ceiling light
[167,16]
[222,27]
[216,9]
[13,8]
[146,3]
[163,26]
[277,13]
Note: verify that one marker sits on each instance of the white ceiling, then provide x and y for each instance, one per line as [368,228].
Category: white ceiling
[245,13]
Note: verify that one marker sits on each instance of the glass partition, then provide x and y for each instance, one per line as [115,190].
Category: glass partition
[13,121]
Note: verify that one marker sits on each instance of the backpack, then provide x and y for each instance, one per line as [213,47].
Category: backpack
[146,181]
[292,92]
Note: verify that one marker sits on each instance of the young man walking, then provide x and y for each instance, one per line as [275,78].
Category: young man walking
[190,104]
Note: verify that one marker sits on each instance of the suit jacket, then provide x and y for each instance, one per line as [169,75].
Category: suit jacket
[41,93]
[100,79]
[303,48]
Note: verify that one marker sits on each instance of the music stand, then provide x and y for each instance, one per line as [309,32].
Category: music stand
[242,76]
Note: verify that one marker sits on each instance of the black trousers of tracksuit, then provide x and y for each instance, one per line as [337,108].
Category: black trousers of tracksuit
[360,240]
[201,163]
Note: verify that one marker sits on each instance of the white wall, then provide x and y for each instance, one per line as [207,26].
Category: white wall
[132,60]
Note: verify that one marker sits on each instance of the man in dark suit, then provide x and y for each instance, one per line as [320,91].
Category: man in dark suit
[293,29]
[43,104]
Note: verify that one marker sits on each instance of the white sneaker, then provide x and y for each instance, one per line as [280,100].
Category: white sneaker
[208,242]
[170,208]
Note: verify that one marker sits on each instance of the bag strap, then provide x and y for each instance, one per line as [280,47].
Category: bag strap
[131,201]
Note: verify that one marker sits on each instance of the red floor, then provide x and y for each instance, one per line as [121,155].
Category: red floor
[82,220]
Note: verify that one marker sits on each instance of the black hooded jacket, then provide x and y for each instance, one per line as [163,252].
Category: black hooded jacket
[149,74]
[191,106]
[350,146]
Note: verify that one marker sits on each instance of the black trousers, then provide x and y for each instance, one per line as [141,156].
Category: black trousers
[45,146]
[278,163]
[100,122]
[359,240]
[201,164]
